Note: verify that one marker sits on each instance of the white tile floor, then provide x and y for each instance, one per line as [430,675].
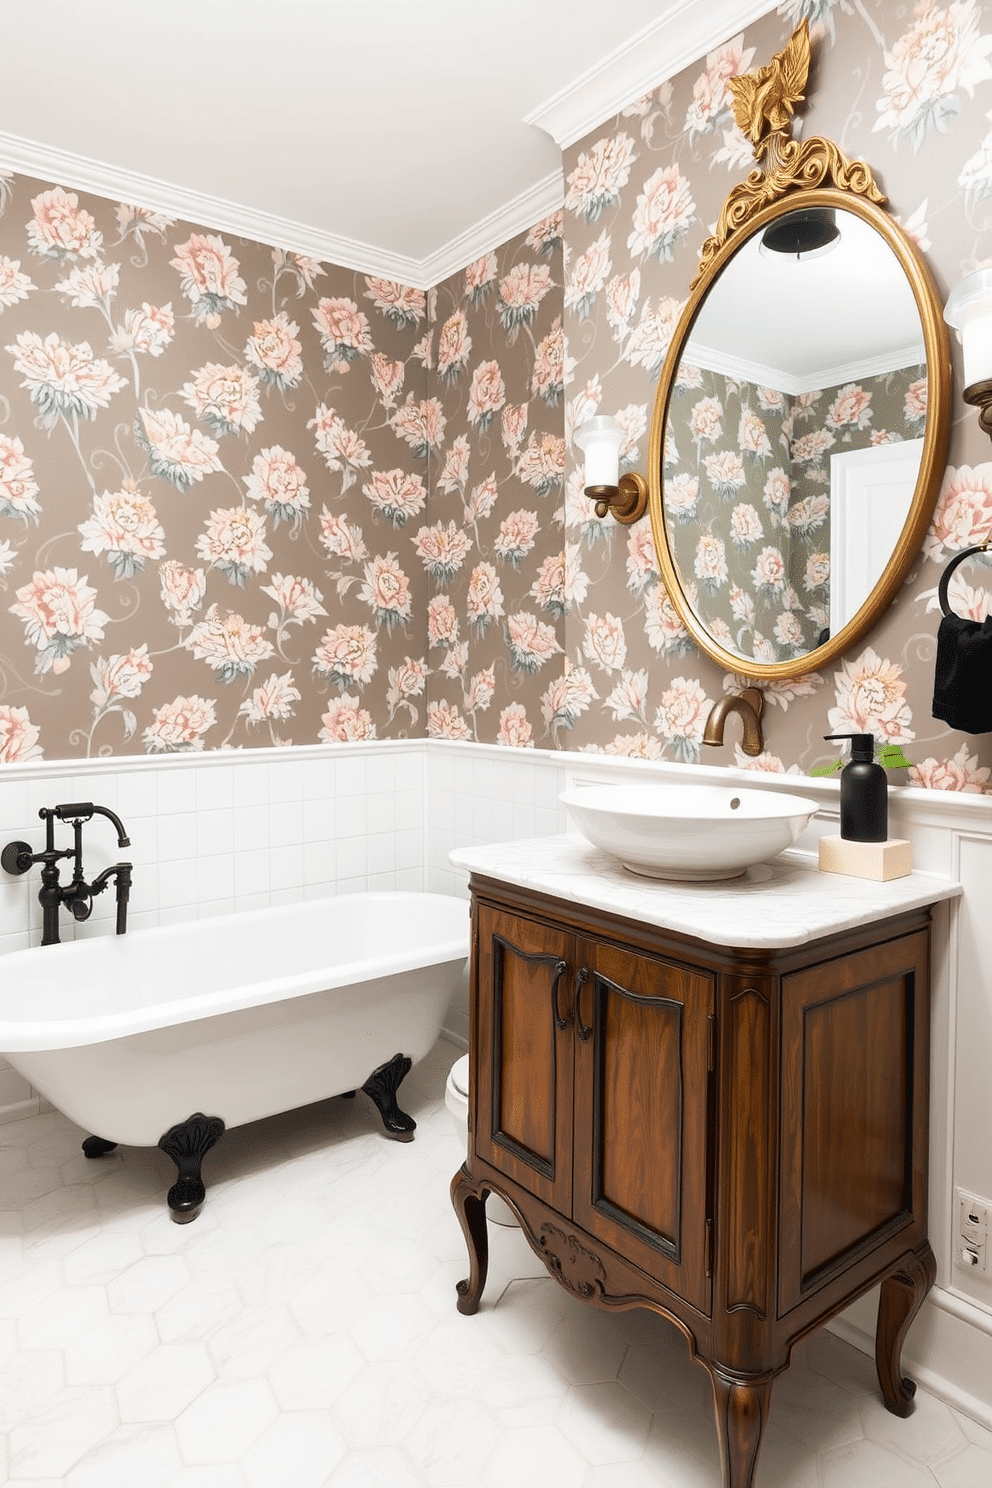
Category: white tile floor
[302,1333]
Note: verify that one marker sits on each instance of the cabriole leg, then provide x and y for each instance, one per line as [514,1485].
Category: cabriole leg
[471,1210]
[187,1144]
[900,1299]
[381,1087]
[98,1146]
[741,1410]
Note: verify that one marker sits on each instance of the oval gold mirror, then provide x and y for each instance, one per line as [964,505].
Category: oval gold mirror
[802,418]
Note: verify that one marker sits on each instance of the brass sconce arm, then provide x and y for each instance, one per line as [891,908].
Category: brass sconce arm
[627,500]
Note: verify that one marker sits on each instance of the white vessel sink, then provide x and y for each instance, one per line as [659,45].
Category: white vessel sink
[687,832]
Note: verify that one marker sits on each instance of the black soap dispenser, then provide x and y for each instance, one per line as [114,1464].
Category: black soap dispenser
[864,800]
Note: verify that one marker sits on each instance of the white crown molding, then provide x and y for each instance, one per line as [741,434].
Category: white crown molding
[516,216]
[685,31]
[711,359]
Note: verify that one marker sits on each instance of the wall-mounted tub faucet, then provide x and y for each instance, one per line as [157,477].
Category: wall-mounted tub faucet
[77,895]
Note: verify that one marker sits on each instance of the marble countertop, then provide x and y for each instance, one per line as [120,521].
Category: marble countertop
[784,902]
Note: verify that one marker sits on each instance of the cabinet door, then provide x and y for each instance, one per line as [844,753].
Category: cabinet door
[523,1042]
[640,1177]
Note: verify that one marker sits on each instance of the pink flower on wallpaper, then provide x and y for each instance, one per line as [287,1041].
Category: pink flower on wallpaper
[622,294]
[588,276]
[650,339]
[963,514]
[18,736]
[629,698]
[230,645]
[387,591]
[125,526]
[60,228]
[817,571]
[514,729]
[484,597]
[18,487]
[226,398]
[763,763]
[398,302]
[482,499]
[548,378]
[599,176]
[344,332]
[442,549]
[347,654]
[546,235]
[233,542]
[682,496]
[710,562]
[632,420]
[14,285]
[725,472]
[530,641]
[453,346]
[851,408]
[305,269]
[745,524]
[961,773]
[345,722]
[871,699]
[809,514]
[769,572]
[789,631]
[777,491]
[941,52]
[406,681]
[341,538]
[176,452]
[706,420]
[810,448]
[58,609]
[604,641]
[91,286]
[341,447]
[771,400]
[134,221]
[634,746]
[915,404]
[179,726]
[119,677]
[642,559]
[569,696]
[486,395]
[279,483]
[275,699]
[456,661]
[420,424]
[387,378]
[664,213]
[64,378]
[454,472]
[711,100]
[397,494]
[208,275]
[520,293]
[742,605]
[298,598]
[149,329]
[479,276]
[752,435]
[549,586]
[442,621]
[445,722]
[542,462]
[183,590]
[513,422]
[517,535]
[275,351]
[681,716]
[480,691]
[688,378]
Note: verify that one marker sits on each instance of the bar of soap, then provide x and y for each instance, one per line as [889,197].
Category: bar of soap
[878,860]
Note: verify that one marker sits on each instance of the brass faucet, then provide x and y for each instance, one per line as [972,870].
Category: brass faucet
[748,703]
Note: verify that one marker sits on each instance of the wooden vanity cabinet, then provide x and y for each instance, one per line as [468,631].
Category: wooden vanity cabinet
[735,1138]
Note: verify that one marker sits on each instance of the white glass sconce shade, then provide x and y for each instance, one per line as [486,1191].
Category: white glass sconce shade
[969,311]
[599,439]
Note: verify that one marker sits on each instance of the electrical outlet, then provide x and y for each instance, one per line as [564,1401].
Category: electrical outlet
[971,1242]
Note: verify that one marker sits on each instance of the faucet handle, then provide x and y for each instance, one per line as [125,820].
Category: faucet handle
[16,858]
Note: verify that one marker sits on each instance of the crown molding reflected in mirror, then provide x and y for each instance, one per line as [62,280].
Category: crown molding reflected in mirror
[806,189]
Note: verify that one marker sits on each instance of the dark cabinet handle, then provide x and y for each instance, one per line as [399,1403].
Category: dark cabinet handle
[560,969]
[581,977]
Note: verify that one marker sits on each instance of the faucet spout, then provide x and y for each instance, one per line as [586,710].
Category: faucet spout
[82,811]
[748,704]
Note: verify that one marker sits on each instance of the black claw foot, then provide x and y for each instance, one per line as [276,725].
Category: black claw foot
[381,1087]
[98,1146]
[187,1144]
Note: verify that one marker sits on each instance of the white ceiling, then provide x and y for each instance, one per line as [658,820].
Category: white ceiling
[402,137]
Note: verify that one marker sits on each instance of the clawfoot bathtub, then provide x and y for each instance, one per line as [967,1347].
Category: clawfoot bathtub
[135,1037]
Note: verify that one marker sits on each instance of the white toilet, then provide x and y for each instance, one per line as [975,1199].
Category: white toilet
[456,1100]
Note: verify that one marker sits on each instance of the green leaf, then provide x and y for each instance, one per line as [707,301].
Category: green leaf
[830,769]
[892,757]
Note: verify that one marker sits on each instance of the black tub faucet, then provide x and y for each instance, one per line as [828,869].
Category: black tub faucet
[77,895]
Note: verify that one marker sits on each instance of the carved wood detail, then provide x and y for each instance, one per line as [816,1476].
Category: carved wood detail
[578,1269]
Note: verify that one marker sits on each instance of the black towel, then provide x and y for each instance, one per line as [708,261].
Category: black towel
[962,688]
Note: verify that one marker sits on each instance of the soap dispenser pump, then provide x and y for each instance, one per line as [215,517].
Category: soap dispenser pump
[864,802]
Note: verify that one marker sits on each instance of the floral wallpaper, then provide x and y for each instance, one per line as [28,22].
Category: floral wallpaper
[747,491]
[910,91]
[213,464]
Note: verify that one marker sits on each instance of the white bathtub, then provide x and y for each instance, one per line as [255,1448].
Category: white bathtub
[238,1017]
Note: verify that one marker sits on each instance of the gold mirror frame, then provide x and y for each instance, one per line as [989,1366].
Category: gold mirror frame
[810,173]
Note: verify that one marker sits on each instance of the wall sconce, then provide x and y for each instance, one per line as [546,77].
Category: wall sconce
[969,311]
[626,496]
